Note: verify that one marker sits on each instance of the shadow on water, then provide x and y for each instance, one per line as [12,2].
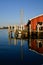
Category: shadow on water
[36,35]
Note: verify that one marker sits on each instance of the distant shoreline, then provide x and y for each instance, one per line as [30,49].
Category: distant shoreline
[3,28]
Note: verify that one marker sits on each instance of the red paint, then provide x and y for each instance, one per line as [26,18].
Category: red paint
[34,46]
[34,21]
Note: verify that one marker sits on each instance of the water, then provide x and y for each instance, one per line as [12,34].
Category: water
[20,52]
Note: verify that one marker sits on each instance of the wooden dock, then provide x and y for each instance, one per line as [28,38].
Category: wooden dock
[18,33]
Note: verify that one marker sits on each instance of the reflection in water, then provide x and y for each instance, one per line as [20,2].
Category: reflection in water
[12,41]
[33,44]
[17,51]
[15,42]
[36,45]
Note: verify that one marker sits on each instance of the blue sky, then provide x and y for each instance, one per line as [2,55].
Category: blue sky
[10,10]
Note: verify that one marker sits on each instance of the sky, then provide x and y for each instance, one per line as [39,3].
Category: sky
[10,11]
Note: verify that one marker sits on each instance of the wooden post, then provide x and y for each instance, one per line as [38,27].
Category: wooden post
[30,29]
[38,43]
[38,29]
[9,31]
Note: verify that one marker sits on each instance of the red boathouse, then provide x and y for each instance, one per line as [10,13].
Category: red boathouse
[35,21]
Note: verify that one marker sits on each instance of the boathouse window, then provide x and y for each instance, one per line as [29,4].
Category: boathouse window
[40,23]
[40,44]
[41,28]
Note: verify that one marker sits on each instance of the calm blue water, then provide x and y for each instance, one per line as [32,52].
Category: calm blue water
[16,52]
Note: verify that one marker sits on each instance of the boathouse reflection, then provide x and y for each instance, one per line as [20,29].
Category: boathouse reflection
[36,45]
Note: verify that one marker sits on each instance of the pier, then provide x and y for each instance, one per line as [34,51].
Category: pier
[17,31]
[33,29]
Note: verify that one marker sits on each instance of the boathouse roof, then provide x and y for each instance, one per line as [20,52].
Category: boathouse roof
[36,16]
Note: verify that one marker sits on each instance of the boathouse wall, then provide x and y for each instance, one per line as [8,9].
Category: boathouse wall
[35,21]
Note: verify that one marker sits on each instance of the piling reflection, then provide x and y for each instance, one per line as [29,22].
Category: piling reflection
[33,44]
[12,41]
[36,45]
[18,43]
[15,41]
